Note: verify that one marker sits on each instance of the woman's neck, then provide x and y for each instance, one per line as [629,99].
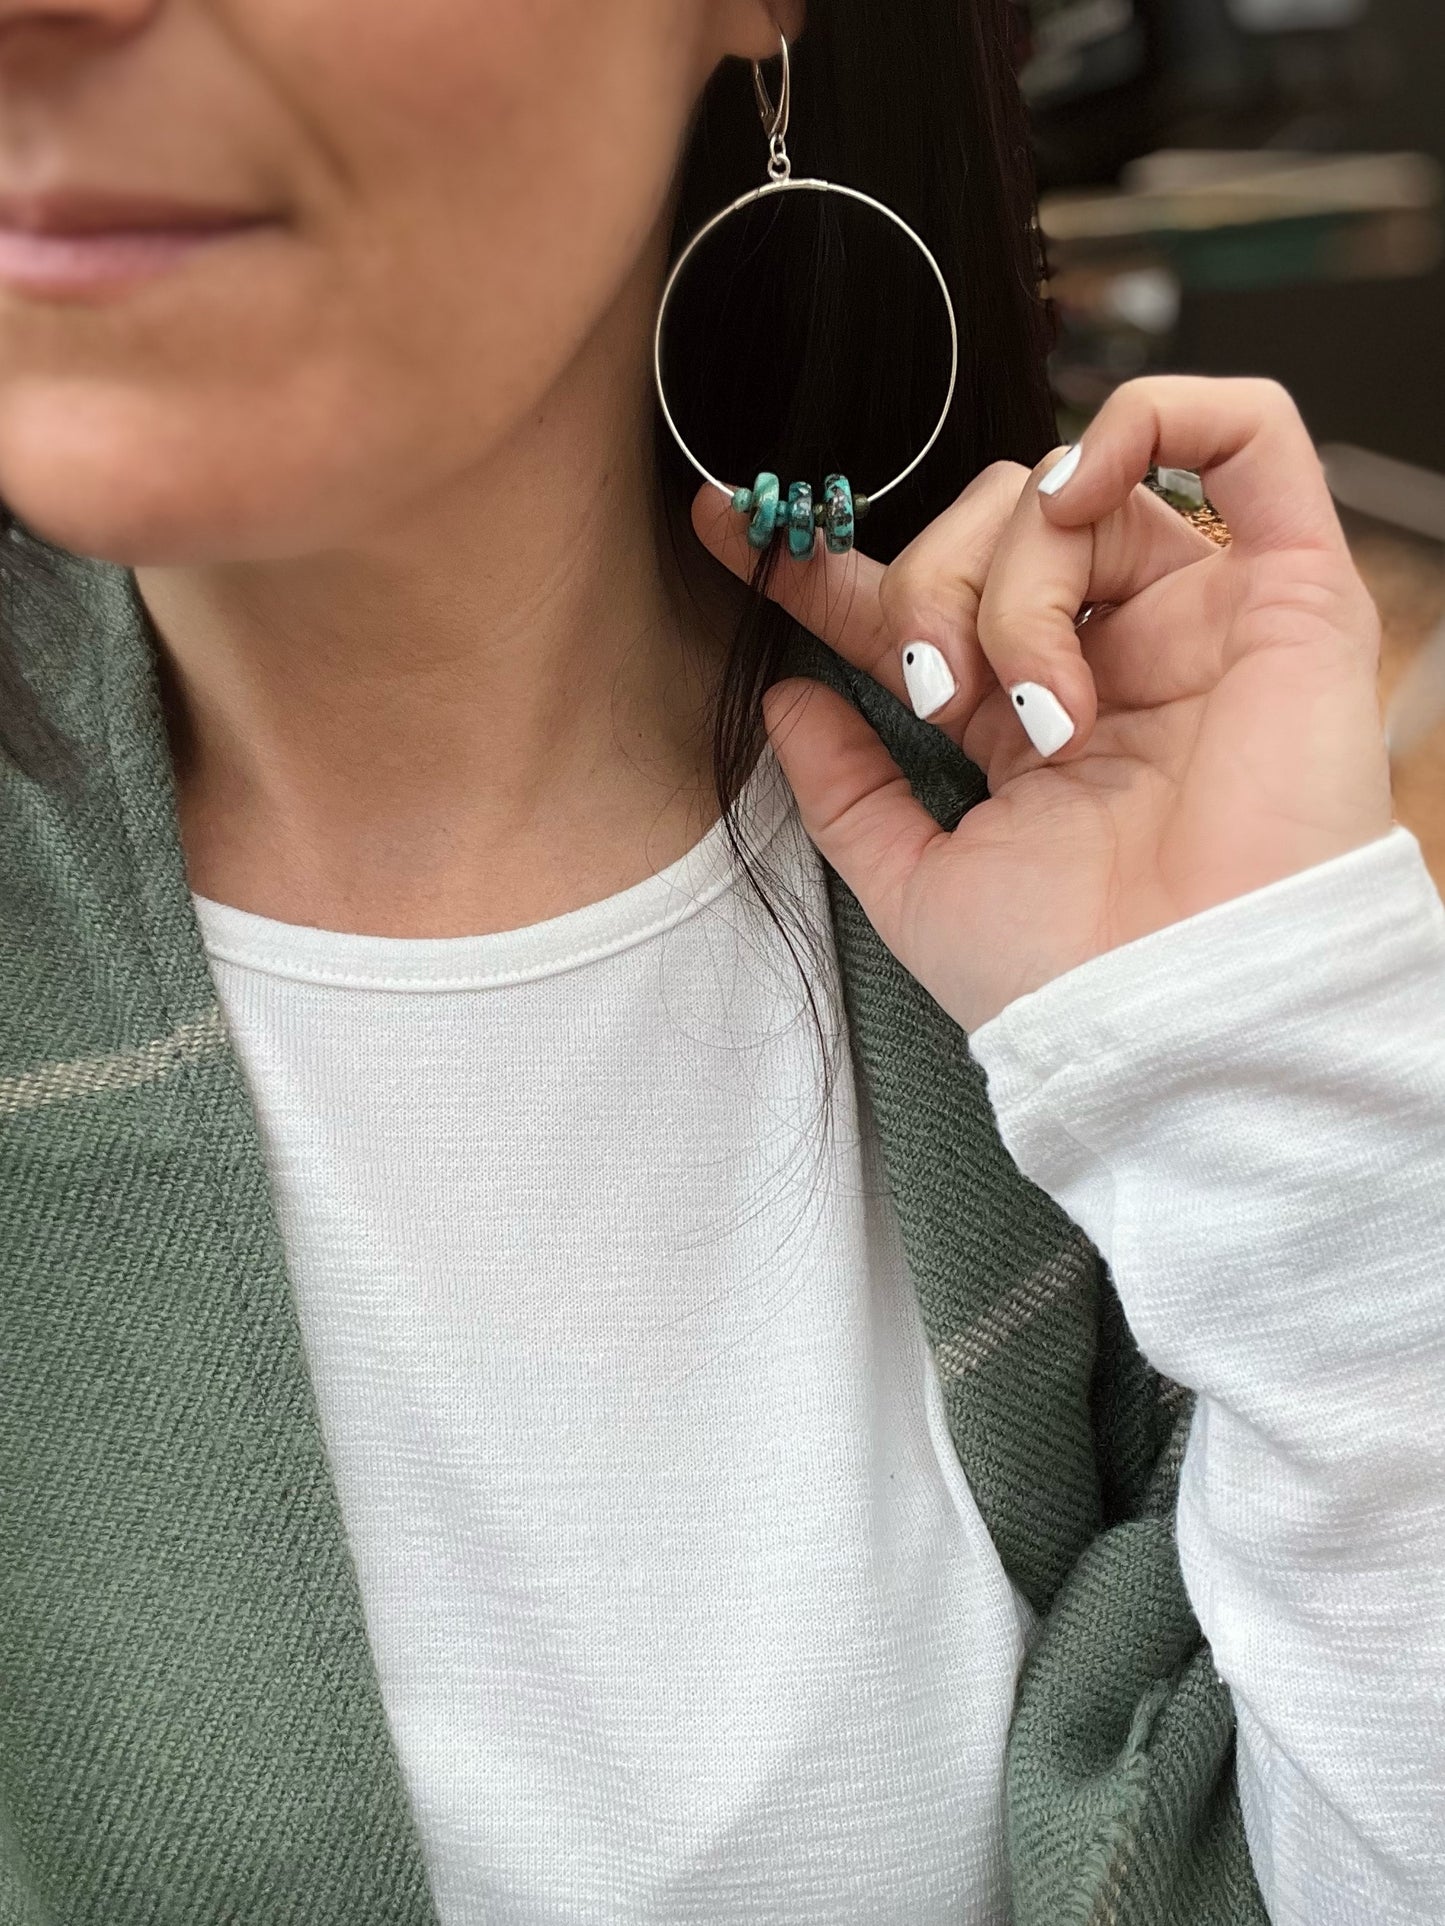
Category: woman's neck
[483,713]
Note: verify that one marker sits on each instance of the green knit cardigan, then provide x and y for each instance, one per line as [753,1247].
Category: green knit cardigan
[191,1728]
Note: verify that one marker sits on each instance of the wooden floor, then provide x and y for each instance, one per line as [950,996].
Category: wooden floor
[1407,579]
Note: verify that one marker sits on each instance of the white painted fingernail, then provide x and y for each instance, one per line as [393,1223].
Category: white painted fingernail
[927,676]
[1043,716]
[1062,470]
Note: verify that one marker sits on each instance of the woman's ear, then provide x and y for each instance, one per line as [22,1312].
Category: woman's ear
[750,28]
[790,17]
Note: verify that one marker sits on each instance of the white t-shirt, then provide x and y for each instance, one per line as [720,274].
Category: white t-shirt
[681,1606]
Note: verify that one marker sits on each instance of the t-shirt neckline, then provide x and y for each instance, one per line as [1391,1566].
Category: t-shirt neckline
[344,959]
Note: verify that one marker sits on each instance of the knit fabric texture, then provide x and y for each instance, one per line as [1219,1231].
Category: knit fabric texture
[191,1727]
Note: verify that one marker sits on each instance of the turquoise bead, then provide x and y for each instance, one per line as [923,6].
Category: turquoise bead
[801,533]
[768,511]
[839,515]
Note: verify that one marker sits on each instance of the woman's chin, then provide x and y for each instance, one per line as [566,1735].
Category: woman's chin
[126,480]
[133,539]
[118,512]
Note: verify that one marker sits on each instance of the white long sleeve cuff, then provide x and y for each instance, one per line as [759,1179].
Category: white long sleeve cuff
[1246,1113]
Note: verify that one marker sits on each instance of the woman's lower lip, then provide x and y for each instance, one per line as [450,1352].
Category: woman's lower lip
[62,264]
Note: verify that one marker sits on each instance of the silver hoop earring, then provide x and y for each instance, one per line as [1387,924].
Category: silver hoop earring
[840,509]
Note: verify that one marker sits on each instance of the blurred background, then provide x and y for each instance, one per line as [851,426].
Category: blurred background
[1256,187]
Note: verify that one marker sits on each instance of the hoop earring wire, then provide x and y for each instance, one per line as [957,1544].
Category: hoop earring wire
[839,510]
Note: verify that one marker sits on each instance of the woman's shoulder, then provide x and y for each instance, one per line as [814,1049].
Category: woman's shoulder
[83,771]
[57,611]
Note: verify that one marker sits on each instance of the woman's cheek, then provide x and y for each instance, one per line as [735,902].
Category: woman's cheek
[465,190]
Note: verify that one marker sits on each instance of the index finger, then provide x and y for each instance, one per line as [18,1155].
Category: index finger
[1244,438]
[868,613]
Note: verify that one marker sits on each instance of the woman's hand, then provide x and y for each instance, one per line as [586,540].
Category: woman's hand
[1226,724]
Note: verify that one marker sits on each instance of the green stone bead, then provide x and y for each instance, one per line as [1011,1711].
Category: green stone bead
[801,533]
[768,511]
[743,501]
[839,515]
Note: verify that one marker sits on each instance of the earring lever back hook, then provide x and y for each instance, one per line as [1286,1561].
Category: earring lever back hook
[775,119]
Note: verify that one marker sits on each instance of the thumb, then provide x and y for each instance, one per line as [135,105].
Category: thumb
[854,800]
